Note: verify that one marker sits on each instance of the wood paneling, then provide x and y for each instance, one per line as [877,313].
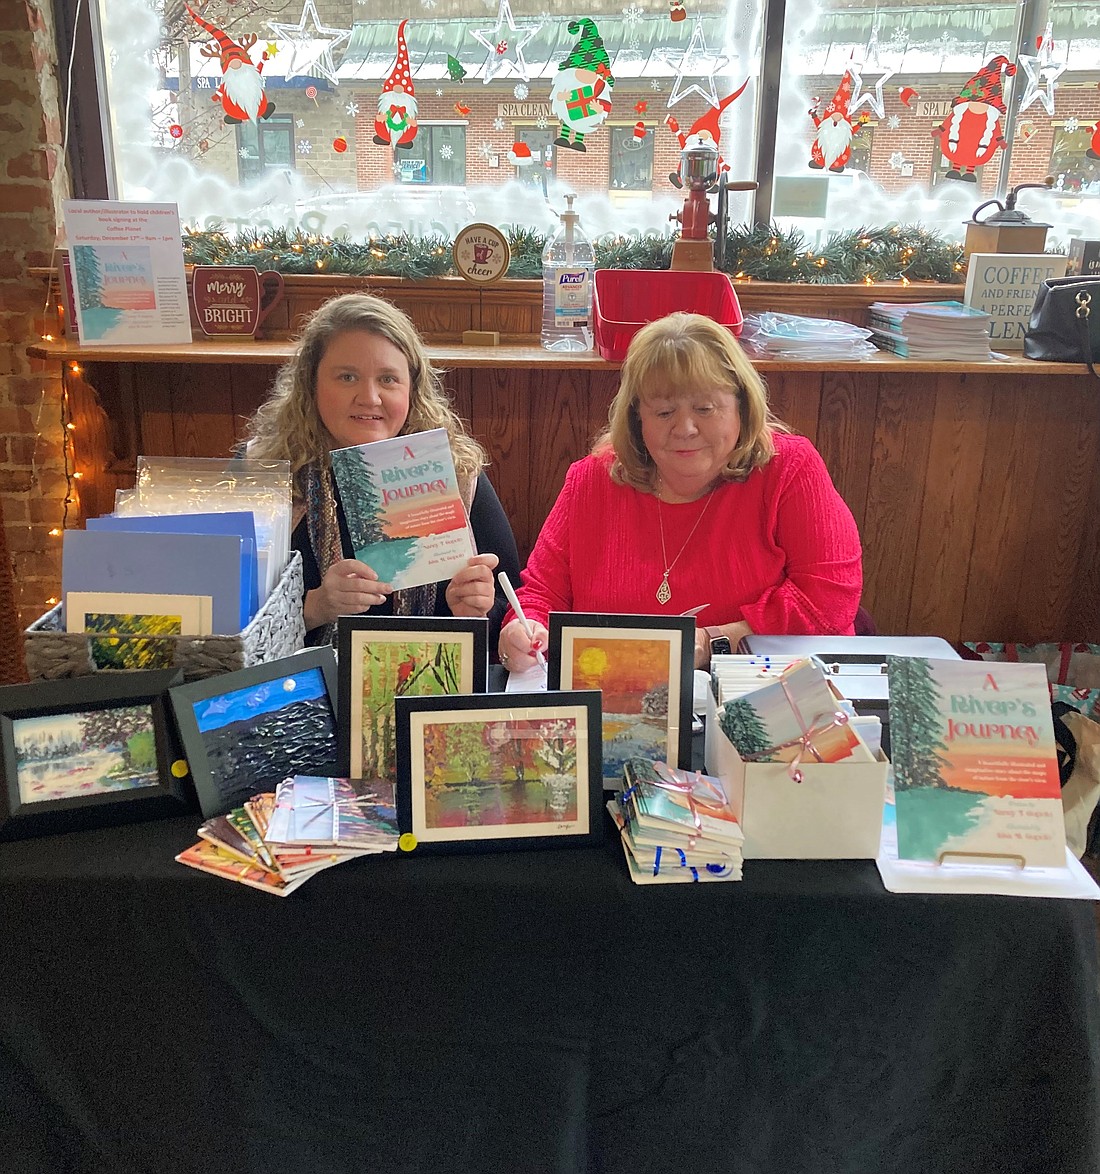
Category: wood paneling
[976,488]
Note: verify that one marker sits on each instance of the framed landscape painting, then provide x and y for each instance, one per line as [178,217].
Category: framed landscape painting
[382,658]
[246,731]
[87,752]
[643,666]
[499,771]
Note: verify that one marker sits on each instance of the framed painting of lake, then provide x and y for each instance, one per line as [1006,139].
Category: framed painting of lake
[246,731]
[643,666]
[381,658]
[499,771]
[87,752]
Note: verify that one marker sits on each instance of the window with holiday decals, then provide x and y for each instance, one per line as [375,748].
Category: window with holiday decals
[360,118]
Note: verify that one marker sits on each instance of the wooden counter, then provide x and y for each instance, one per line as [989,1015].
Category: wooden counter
[976,486]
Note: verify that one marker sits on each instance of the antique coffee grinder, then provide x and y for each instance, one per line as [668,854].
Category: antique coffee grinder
[693,251]
[1009,229]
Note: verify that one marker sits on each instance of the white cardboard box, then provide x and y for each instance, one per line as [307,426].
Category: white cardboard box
[835,813]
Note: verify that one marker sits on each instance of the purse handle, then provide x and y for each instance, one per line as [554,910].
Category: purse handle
[1084,305]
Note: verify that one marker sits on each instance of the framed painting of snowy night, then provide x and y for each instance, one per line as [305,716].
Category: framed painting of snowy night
[87,752]
[499,771]
[643,666]
[382,658]
[244,732]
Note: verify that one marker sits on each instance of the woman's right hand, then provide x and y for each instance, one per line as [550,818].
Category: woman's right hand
[516,649]
[348,588]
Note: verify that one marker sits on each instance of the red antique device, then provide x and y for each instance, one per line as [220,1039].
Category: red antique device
[699,171]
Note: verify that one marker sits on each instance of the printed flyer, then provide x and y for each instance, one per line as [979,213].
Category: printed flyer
[126,263]
[404,512]
[975,765]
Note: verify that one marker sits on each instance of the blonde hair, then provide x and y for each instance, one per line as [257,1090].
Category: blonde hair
[288,426]
[686,351]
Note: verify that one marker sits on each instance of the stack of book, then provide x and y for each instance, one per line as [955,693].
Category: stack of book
[676,826]
[278,840]
[931,330]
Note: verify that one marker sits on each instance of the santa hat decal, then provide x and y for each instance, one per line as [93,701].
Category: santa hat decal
[229,48]
[519,155]
[907,95]
[401,74]
[838,103]
[589,52]
[985,85]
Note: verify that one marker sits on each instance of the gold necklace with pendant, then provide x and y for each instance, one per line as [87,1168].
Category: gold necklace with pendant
[664,592]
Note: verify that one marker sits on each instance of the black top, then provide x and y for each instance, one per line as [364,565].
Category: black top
[492,535]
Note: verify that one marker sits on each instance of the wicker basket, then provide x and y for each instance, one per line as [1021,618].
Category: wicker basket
[276,630]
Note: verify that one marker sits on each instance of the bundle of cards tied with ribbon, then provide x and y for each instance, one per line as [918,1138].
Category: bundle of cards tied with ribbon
[798,774]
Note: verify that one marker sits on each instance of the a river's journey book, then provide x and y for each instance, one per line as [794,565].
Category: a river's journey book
[975,766]
[403,508]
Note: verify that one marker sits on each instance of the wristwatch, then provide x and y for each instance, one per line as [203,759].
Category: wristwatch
[719,642]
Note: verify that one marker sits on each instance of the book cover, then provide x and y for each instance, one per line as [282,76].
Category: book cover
[975,766]
[126,264]
[1004,285]
[1084,258]
[403,508]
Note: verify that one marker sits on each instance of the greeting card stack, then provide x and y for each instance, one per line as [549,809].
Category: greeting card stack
[278,840]
[676,826]
[799,777]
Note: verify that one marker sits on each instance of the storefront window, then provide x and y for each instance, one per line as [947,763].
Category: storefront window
[324,114]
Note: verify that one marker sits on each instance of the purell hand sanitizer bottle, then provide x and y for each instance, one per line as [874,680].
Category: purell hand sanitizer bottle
[568,262]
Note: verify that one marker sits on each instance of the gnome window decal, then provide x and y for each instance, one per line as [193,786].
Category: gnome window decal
[970,135]
[241,92]
[580,92]
[706,128]
[395,125]
[832,146]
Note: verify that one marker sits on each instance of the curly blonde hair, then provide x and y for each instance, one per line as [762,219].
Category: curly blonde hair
[288,426]
[685,351]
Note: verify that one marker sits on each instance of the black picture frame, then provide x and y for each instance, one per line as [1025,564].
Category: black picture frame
[678,633]
[355,633]
[235,759]
[514,729]
[48,704]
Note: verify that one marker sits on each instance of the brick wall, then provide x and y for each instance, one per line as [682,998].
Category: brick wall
[32,479]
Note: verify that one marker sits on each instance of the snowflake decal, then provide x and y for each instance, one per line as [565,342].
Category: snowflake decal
[243,152]
[893,122]
[304,146]
[486,150]
[1071,125]
[521,91]
[352,108]
[897,160]
[498,124]
[446,151]
[541,122]
[1092,19]
[299,123]
[633,15]
[439,91]
[655,86]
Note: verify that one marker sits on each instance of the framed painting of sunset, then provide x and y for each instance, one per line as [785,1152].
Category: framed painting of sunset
[643,667]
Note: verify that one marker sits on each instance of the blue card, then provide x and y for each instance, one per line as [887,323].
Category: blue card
[161,564]
[239,522]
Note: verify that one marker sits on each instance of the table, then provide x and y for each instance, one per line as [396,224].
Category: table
[528,1012]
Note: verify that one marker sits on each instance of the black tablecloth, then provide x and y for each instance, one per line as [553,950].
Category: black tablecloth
[533,1012]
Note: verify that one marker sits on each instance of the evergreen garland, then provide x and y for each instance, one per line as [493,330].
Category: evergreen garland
[759,253]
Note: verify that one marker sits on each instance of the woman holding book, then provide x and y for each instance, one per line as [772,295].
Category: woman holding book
[360,373]
[695,497]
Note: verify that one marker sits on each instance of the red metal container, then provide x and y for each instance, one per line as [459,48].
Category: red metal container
[624,300]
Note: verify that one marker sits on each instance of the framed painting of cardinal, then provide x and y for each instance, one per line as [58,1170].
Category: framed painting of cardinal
[381,658]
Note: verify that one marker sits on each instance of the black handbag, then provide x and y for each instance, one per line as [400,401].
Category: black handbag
[1065,322]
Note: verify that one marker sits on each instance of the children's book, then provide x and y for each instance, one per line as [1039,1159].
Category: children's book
[126,265]
[403,508]
[975,766]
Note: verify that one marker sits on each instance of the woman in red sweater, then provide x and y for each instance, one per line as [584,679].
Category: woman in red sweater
[694,495]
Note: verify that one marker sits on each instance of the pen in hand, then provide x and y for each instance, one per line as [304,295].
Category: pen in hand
[514,601]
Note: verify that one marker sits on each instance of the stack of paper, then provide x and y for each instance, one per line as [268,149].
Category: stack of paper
[278,840]
[676,826]
[931,330]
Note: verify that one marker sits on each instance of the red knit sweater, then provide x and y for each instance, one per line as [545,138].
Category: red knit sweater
[779,550]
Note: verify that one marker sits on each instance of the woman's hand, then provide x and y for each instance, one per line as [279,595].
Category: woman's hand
[516,649]
[471,592]
[735,632]
[348,588]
